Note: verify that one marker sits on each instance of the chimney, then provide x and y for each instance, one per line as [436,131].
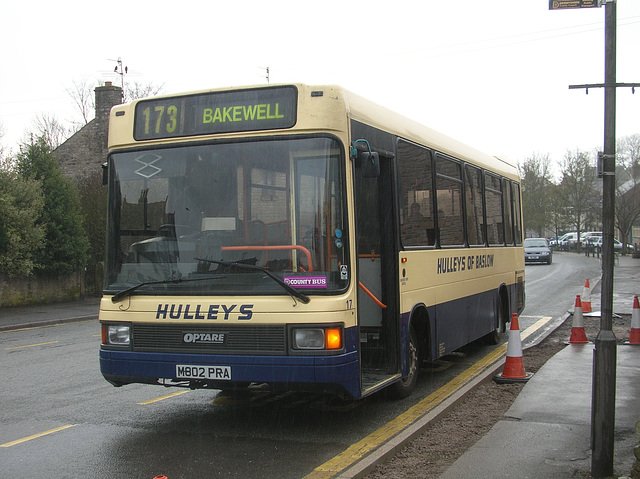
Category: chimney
[106,97]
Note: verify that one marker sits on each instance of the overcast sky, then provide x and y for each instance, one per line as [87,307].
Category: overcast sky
[494,74]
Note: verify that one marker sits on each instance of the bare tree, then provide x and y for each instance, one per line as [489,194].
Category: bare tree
[3,153]
[50,129]
[578,188]
[627,186]
[81,92]
[536,183]
[138,90]
[558,211]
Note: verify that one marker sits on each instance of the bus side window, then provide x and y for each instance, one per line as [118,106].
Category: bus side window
[517,212]
[495,221]
[507,208]
[449,200]
[474,206]
[416,195]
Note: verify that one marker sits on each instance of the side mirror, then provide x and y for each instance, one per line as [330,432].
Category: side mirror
[370,164]
[368,161]
[105,174]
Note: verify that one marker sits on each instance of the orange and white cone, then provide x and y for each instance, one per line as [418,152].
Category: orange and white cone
[513,370]
[634,336]
[578,336]
[586,297]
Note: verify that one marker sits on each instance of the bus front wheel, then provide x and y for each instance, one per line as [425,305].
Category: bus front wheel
[407,384]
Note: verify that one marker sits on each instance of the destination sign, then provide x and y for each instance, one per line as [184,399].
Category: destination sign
[561,4]
[216,112]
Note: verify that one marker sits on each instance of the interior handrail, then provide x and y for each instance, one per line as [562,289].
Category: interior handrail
[372,296]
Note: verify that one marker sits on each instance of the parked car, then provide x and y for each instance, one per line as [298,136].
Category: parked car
[558,241]
[537,250]
[597,242]
[585,236]
[568,241]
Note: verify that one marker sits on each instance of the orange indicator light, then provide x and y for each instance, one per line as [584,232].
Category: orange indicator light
[333,338]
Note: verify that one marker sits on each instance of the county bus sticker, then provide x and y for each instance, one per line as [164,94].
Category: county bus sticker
[306,281]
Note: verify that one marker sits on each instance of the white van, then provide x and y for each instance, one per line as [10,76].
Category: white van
[568,239]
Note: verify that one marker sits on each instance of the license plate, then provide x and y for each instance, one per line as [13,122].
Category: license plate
[533,257]
[189,371]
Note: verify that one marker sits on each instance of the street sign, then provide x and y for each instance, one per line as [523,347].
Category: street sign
[561,4]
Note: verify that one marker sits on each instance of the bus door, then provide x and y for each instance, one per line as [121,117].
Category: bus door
[376,275]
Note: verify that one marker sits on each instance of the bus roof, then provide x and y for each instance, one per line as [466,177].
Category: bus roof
[380,117]
[368,112]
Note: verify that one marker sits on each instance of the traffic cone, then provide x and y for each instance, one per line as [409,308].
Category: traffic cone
[634,336]
[513,370]
[586,297]
[578,336]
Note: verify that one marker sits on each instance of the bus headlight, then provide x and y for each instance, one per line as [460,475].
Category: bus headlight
[327,338]
[116,334]
[308,338]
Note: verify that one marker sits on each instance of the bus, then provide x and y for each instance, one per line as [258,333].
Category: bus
[299,238]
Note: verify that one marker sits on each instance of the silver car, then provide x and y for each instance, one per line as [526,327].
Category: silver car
[537,250]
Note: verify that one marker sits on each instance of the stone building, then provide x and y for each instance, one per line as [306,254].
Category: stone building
[83,153]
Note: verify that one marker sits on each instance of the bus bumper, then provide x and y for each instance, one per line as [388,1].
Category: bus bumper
[314,373]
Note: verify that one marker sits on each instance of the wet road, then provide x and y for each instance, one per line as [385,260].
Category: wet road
[551,289]
[61,419]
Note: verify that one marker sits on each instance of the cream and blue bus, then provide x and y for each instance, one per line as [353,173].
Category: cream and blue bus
[299,238]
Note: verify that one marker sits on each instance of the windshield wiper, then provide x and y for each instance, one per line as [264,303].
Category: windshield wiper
[127,292]
[293,292]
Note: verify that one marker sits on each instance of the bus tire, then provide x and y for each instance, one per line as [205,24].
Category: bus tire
[407,384]
[495,336]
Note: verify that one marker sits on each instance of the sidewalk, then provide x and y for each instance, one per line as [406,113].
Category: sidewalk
[546,432]
[46,314]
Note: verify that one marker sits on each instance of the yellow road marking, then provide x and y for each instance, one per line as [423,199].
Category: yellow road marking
[29,328]
[168,396]
[46,326]
[30,345]
[35,436]
[358,450]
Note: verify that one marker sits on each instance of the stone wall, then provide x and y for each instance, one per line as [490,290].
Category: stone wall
[34,290]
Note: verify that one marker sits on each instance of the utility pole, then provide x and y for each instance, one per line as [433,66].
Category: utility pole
[603,401]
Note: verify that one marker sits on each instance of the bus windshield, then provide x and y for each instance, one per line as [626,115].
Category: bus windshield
[180,216]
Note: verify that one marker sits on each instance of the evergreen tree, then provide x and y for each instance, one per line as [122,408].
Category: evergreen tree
[93,198]
[65,245]
[21,203]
